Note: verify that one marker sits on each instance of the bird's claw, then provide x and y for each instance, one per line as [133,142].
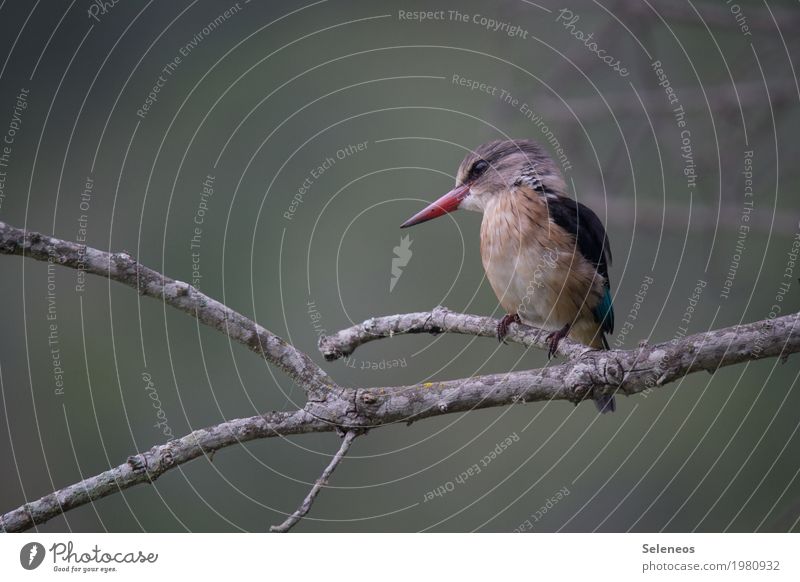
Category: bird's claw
[502,327]
[552,344]
[554,338]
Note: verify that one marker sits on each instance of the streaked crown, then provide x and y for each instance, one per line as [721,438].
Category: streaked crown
[500,165]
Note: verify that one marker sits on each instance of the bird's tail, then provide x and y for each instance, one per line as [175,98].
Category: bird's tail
[605,403]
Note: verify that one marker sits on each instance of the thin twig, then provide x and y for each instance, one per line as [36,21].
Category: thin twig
[305,507]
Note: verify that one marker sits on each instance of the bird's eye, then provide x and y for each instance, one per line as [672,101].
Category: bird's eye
[478,168]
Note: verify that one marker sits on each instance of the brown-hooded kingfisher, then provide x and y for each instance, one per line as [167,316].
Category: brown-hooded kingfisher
[546,256]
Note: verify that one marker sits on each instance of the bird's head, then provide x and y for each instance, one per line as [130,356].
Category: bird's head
[494,169]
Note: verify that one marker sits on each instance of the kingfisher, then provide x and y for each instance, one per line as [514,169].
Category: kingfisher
[546,256]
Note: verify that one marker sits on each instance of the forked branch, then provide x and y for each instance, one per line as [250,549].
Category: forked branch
[353,410]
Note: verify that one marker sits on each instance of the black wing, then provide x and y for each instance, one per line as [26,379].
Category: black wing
[590,235]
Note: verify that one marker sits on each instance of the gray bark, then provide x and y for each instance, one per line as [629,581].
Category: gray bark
[330,407]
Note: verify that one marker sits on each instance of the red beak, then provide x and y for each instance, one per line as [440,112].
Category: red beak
[447,203]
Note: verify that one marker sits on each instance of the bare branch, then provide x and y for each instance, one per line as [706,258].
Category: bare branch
[587,373]
[123,268]
[440,320]
[304,508]
[148,466]
[590,373]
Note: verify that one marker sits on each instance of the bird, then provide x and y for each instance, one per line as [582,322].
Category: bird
[546,255]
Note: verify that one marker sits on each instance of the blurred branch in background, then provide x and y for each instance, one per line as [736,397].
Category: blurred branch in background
[723,99]
[352,411]
[720,97]
[649,214]
[710,14]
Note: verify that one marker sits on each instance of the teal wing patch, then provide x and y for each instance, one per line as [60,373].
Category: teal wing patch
[604,312]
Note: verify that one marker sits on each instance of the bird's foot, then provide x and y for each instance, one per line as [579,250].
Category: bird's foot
[554,338]
[502,327]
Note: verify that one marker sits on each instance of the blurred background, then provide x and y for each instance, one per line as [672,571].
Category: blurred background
[268,153]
